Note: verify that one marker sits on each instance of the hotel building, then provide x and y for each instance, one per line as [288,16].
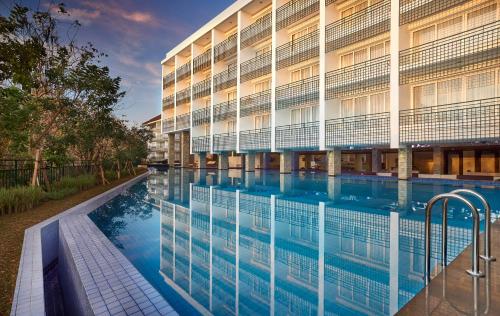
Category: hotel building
[157,146]
[374,86]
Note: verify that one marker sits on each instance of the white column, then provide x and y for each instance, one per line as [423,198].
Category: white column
[321,258]
[191,105]
[176,64]
[190,238]
[334,157]
[238,92]
[394,74]
[237,290]
[322,70]
[211,273]
[212,93]
[273,76]
[272,245]
[394,263]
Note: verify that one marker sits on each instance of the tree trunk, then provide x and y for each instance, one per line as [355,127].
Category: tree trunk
[45,177]
[118,170]
[132,167]
[36,167]
[103,177]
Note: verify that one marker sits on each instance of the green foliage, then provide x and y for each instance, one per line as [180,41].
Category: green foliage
[79,183]
[20,199]
[61,193]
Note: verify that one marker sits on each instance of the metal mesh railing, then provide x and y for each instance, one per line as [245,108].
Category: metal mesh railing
[463,122]
[298,93]
[183,96]
[257,103]
[168,102]
[256,67]
[202,88]
[225,111]
[298,136]
[226,48]
[366,76]
[258,30]
[168,79]
[225,142]
[184,71]
[361,130]
[412,10]
[201,144]
[364,24]
[470,50]
[299,50]
[201,116]
[182,121]
[293,11]
[225,79]
[168,125]
[202,61]
[256,139]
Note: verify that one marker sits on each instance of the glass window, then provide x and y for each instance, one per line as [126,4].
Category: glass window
[424,95]
[377,51]
[262,121]
[481,86]
[346,60]
[482,16]
[449,91]
[231,126]
[263,50]
[231,95]
[449,27]
[346,108]
[295,116]
[424,36]
[262,86]
[378,103]
[360,56]
[360,105]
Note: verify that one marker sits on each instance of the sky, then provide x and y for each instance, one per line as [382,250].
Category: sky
[135,35]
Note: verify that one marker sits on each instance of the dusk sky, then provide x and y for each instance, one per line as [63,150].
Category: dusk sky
[136,35]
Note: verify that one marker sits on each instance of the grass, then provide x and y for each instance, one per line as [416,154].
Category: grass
[12,227]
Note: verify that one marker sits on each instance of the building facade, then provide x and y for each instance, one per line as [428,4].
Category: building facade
[157,146]
[374,86]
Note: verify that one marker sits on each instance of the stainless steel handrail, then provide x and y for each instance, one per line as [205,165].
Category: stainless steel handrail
[474,271]
[487,217]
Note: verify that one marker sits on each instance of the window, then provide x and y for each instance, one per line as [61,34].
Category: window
[262,86]
[231,126]
[304,73]
[207,130]
[480,86]
[231,95]
[356,8]
[424,35]
[380,102]
[263,50]
[449,91]
[424,95]
[449,27]
[303,31]
[360,105]
[347,108]
[304,115]
[262,121]
[482,16]
[364,54]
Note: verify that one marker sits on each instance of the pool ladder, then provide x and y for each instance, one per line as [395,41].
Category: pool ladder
[457,195]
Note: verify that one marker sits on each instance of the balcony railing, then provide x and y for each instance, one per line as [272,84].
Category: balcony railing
[184,71]
[258,30]
[467,51]
[298,93]
[225,111]
[299,50]
[256,67]
[225,79]
[298,136]
[225,142]
[463,122]
[202,89]
[201,144]
[168,80]
[182,121]
[364,24]
[168,102]
[362,130]
[226,48]
[256,139]
[202,61]
[412,10]
[257,103]
[168,125]
[201,116]
[293,11]
[366,76]
[183,96]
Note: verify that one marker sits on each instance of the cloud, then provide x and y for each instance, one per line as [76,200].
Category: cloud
[83,16]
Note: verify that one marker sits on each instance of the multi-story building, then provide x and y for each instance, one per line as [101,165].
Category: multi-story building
[157,146]
[375,86]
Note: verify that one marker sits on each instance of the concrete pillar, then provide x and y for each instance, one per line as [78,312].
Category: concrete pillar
[201,159]
[404,163]
[295,161]
[200,176]
[171,149]
[266,160]
[185,152]
[286,183]
[404,194]
[250,162]
[249,180]
[376,160]
[223,161]
[334,188]
[437,158]
[334,162]
[286,162]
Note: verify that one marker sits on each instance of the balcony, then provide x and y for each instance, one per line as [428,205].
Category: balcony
[169,80]
[298,93]
[225,111]
[225,79]
[184,71]
[182,121]
[256,67]
[470,50]
[258,30]
[256,139]
[257,103]
[202,61]
[168,125]
[224,142]
[201,144]
[412,10]
[168,102]
[298,136]
[299,50]
[361,130]
[472,121]
[202,89]
[293,11]
[183,96]
[201,116]
[226,48]
[364,24]
[366,76]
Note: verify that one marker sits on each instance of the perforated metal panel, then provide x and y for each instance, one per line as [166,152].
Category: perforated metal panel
[182,121]
[202,88]
[412,10]
[225,79]
[226,48]
[183,96]
[202,61]
[201,116]
[256,67]
[298,136]
[299,50]
[184,71]
[168,102]
[258,30]
[225,142]
[225,111]
[298,93]
[256,139]
[168,125]
[293,11]
[201,144]
[257,103]
[168,80]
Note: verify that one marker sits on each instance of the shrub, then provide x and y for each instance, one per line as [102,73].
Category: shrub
[79,183]
[61,193]
[110,175]
[20,199]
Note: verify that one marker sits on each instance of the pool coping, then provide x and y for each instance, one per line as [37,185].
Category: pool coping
[95,272]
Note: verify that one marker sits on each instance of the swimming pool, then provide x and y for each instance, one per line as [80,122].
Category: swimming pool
[262,243]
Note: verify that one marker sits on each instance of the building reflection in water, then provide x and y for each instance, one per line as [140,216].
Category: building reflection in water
[264,244]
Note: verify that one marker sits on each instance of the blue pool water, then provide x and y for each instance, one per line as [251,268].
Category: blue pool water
[264,243]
